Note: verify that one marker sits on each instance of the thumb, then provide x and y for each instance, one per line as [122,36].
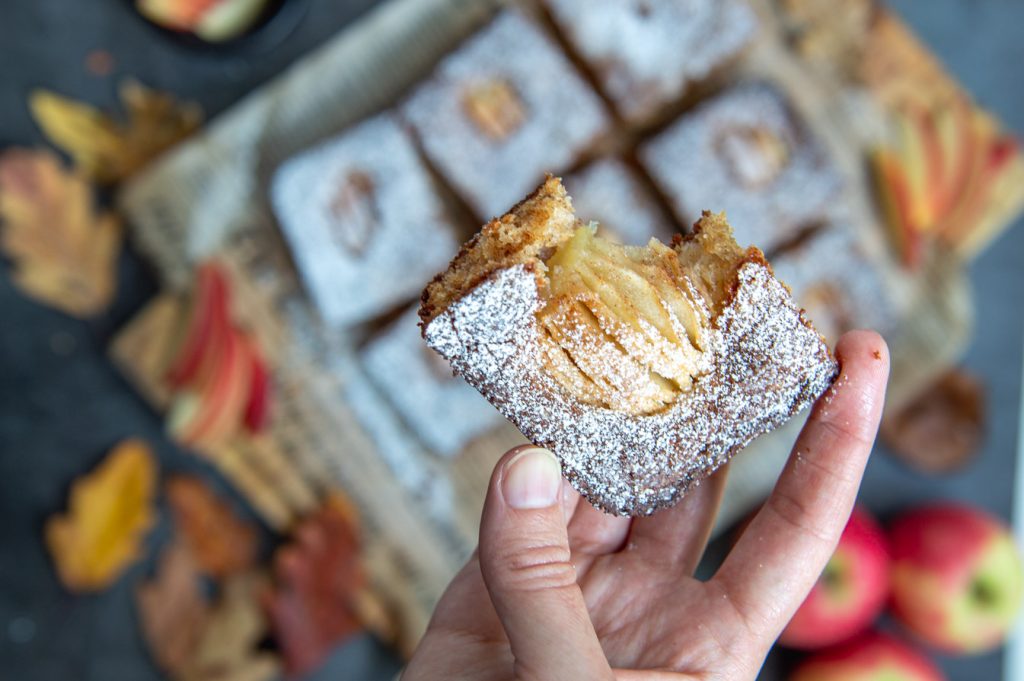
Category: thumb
[525,560]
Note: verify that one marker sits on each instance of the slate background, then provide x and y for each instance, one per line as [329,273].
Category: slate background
[62,405]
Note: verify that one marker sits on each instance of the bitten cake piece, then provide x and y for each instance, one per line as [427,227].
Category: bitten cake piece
[441,409]
[747,154]
[356,211]
[609,193]
[502,110]
[643,368]
[646,54]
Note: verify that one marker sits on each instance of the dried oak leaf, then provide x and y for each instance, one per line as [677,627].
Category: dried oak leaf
[227,649]
[63,252]
[172,610]
[107,150]
[192,640]
[222,543]
[318,577]
[109,512]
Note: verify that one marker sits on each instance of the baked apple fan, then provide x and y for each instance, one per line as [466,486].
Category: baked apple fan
[643,368]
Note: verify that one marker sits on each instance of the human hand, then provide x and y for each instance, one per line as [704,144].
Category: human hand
[560,591]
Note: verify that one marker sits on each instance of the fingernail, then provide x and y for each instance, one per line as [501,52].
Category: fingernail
[533,479]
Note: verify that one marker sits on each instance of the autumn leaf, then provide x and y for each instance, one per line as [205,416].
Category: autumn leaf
[193,640]
[318,577]
[172,610]
[227,649]
[109,512]
[222,543]
[105,149]
[63,252]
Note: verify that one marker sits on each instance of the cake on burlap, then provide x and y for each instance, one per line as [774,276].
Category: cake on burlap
[643,369]
[749,153]
[648,53]
[355,210]
[502,110]
[839,293]
[438,406]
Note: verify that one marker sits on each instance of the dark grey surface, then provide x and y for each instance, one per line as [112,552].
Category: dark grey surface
[62,405]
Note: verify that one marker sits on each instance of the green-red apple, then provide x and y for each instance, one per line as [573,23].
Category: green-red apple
[212,20]
[957,577]
[870,657]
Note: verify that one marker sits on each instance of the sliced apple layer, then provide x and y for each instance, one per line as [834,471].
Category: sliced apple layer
[626,325]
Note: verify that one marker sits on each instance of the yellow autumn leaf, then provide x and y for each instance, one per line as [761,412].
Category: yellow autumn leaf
[109,512]
[62,251]
[108,150]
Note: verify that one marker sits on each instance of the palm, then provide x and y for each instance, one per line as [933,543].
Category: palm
[635,609]
[678,625]
[652,619]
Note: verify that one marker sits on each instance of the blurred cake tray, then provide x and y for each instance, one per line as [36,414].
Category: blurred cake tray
[209,197]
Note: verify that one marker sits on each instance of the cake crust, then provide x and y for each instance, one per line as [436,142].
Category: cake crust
[764,363]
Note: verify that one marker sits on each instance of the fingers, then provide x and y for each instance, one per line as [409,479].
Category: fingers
[676,537]
[525,560]
[593,533]
[783,551]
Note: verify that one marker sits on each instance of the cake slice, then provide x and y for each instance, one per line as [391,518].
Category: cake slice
[354,211]
[643,369]
[444,412]
[646,54]
[502,109]
[749,152]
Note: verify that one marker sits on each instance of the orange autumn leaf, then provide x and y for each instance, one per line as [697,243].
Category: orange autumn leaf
[109,512]
[222,543]
[108,150]
[318,578]
[63,251]
[172,609]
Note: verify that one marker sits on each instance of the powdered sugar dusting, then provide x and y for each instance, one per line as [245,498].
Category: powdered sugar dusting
[765,364]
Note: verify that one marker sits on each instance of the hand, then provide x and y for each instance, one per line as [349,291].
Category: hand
[564,592]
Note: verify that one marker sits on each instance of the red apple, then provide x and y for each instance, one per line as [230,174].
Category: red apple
[208,311]
[898,205]
[937,178]
[211,20]
[180,15]
[957,577]
[957,136]
[870,657]
[257,410]
[851,591]
[211,413]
